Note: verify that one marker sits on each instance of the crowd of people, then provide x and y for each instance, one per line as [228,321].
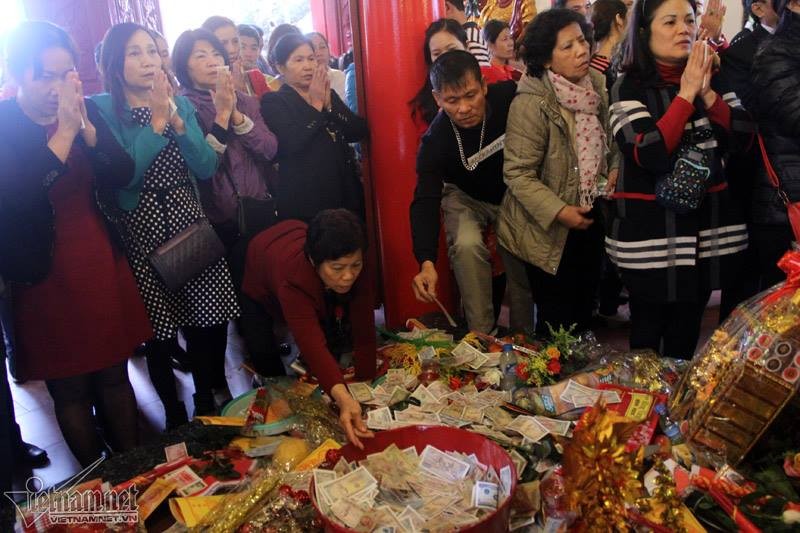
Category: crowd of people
[608,145]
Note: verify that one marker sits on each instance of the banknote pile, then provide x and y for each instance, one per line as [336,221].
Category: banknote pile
[478,411]
[401,490]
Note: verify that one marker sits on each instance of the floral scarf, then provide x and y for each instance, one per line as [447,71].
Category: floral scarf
[590,136]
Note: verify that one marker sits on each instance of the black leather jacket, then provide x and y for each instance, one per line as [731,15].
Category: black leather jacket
[776,104]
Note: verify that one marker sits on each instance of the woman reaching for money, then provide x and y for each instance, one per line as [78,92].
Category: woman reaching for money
[312,277]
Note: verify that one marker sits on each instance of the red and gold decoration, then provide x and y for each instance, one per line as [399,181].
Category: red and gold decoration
[601,479]
[747,373]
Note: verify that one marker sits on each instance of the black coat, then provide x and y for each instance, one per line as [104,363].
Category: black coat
[737,60]
[316,167]
[776,105]
[27,170]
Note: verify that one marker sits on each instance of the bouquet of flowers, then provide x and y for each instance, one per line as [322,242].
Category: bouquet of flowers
[540,364]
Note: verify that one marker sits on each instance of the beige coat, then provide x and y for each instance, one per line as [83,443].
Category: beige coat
[541,171]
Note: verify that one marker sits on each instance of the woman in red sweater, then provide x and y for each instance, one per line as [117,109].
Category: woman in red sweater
[312,277]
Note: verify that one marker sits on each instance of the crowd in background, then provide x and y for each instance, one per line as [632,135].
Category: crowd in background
[609,148]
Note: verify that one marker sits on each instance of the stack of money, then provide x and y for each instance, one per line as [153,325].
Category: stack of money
[402,491]
[480,411]
[583,396]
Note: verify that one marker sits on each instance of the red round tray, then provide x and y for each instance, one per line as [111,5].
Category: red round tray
[446,439]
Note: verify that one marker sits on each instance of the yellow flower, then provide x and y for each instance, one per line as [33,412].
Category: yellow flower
[552,352]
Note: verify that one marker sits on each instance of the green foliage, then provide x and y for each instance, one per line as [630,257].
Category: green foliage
[563,339]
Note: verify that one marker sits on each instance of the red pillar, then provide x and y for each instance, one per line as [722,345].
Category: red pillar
[391,34]
[326,19]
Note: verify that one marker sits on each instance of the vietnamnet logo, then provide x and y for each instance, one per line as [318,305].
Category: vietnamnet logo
[75,502]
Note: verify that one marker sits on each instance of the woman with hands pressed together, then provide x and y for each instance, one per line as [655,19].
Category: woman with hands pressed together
[557,158]
[313,278]
[77,313]
[314,128]
[164,138]
[233,126]
[675,233]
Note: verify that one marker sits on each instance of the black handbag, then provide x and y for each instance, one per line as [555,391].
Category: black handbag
[181,258]
[683,190]
[253,215]
[187,254]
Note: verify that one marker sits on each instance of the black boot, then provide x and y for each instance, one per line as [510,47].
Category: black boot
[204,404]
[176,415]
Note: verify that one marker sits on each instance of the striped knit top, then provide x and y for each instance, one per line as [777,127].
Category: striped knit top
[664,256]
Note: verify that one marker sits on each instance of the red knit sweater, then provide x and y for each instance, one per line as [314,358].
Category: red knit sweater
[279,276]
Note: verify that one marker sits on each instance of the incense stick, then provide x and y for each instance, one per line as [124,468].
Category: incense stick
[446,314]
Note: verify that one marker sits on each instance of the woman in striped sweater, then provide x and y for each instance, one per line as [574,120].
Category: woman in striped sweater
[673,123]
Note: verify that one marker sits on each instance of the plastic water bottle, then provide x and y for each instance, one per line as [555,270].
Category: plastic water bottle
[508,362]
[669,427]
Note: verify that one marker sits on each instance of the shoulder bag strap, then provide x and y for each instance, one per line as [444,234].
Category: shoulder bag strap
[771,174]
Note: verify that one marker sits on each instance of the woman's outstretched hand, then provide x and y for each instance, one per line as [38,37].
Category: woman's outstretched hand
[350,416]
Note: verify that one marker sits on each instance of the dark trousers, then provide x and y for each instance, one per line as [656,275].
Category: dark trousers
[206,349]
[256,327]
[758,270]
[610,282]
[671,329]
[10,438]
[567,297]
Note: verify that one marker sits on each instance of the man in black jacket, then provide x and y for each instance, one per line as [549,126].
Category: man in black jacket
[737,60]
[776,80]
[460,169]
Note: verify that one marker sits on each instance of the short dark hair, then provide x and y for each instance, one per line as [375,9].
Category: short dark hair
[450,69]
[288,44]
[492,30]
[216,22]
[112,60]
[26,43]
[275,35]
[784,15]
[183,51]
[541,35]
[458,4]
[249,30]
[604,14]
[637,58]
[334,233]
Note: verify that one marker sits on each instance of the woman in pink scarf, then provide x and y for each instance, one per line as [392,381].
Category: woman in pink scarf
[557,162]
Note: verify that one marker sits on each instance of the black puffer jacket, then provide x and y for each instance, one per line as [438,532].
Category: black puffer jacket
[776,104]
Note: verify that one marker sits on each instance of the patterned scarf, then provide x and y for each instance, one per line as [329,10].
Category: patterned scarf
[590,137]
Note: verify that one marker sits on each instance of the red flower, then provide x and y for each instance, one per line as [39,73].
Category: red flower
[455,383]
[553,366]
[522,372]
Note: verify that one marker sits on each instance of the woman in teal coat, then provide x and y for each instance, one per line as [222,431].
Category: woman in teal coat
[162,135]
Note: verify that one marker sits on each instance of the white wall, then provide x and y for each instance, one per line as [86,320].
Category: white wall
[733,18]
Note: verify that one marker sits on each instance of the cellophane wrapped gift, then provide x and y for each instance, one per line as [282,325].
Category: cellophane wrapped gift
[746,373]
